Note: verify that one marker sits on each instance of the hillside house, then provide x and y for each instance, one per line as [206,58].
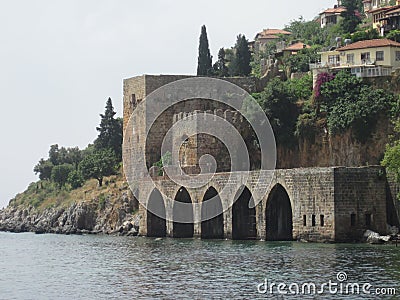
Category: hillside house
[267,36]
[370,58]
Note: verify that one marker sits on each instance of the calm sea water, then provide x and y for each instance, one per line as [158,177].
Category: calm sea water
[104,267]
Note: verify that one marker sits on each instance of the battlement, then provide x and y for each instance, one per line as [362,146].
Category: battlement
[232,116]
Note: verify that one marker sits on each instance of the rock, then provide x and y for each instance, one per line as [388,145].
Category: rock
[375,238]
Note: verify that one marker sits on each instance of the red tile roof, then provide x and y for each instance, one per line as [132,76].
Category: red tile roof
[296,47]
[370,44]
[274,31]
[336,10]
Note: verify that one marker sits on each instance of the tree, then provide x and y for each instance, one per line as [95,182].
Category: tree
[350,19]
[44,168]
[220,68]
[98,164]
[60,173]
[110,132]
[278,103]
[391,159]
[75,179]
[352,104]
[204,63]
[310,32]
[394,35]
[240,66]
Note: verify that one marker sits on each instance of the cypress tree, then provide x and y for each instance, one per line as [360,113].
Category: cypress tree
[204,64]
[240,66]
[110,131]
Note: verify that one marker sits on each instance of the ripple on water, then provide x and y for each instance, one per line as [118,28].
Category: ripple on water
[104,267]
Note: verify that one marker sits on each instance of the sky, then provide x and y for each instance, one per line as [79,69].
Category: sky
[61,60]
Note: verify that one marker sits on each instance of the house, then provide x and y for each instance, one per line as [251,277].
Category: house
[390,20]
[370,58]
[267,36]
[295,48]
[331,16]
[374,4]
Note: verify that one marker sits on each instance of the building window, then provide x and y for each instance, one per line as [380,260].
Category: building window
[353,220]
[379,56]
[365,57]
[322,220]
[350,59]
[334,60]
[397,55]
[313,220]
[368,219]
[304,220]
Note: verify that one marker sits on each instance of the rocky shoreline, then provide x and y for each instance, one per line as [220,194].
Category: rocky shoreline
[118,217]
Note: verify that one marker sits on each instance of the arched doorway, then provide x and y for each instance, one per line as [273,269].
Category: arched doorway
[244,216]
[183,226]
[156,217]
[278,215]
[212,225]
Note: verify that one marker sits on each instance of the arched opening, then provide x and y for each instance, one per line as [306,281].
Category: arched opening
[212,225]
[183,226]
[278,215]
[156,217]
[244,216]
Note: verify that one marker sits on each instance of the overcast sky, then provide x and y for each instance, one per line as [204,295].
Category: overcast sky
[61,60]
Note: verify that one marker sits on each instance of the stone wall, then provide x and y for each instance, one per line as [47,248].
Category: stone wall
[322,200]
[360,202]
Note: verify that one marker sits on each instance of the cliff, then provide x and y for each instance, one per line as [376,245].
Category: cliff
[90,209]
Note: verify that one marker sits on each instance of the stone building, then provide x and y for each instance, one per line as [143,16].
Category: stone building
[315,203]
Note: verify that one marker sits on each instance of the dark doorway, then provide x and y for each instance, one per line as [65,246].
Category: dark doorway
[244,217]
[212,225]
[183,215]
[156,217]
[278,215]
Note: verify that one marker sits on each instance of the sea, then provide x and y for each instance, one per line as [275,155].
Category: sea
[115,267]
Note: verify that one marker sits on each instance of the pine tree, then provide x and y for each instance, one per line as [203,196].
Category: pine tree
[204,64]
[220,68]
[240,66]
[110,131]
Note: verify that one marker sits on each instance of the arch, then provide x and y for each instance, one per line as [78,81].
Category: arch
[156,216]
[212,227]
[183,225]
[244,216]
[279,215]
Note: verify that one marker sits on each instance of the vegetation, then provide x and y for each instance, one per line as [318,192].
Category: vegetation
[351,103]
[278,103]
[240,65]
[350,19]
[220,69]
[204,64]
[165,160]
[68,168]
[110,132]
[98,164]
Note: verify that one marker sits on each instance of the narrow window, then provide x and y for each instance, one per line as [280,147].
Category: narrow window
[322,220]
[304,220]
[313,220]
[350,59]
[379,56]
[353,220]
[397,55]
[368,218]
[365,57]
